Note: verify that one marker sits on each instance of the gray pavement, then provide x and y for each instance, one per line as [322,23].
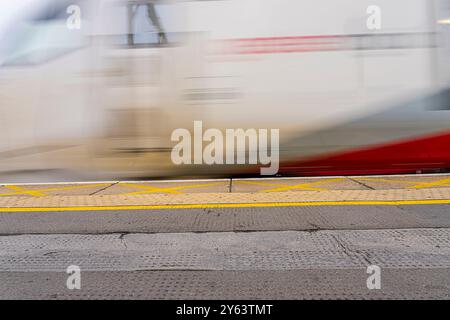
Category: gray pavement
[294,284]
[415,264]
[275,250]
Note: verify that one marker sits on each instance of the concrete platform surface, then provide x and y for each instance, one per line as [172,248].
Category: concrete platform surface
[414,264]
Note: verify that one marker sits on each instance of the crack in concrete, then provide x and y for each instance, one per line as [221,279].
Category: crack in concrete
[122,241]
[52,253]
[100,190]
[315,227]
[348,251]
[361,183]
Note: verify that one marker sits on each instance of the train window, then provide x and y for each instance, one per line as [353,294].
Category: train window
[42,37]
[39,43]
[142,24]
[53,11]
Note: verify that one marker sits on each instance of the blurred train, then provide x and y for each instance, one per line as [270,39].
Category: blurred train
[100,98]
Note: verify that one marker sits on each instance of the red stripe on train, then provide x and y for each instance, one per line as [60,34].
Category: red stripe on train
[425,154]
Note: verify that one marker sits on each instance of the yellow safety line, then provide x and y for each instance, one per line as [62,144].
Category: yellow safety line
[227,205]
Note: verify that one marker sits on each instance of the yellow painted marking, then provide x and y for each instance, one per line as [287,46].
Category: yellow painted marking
[261,183]
[228,205]
[281,186]
[387,180]
[442,183]
[41,192]
[147,189]
[172,190]
[21,190]
[78,187]
[197,186]
[305,186]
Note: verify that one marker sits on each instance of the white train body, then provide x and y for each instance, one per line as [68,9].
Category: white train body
[103,100]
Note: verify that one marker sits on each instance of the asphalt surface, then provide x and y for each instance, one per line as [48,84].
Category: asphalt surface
[228,253]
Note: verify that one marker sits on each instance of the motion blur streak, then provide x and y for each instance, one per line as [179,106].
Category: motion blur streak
[101,101]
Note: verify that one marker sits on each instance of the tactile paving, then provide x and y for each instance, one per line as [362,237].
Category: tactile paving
[288,250]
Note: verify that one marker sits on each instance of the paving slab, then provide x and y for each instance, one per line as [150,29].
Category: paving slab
[291,185]
[230,285]
[404,182]
[44,190]
[178,187]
